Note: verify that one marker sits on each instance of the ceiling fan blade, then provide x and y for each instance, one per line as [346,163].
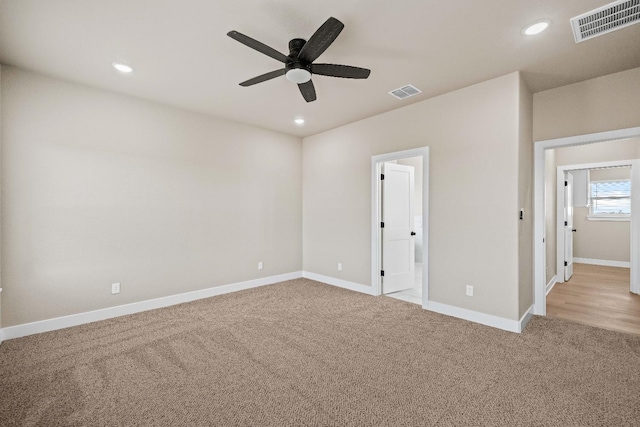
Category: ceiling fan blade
[321,39]
[260,47]
[344,71]
[308,91]
[264,77]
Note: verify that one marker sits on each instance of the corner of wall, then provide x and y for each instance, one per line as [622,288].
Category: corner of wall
[1,133]
[525,197]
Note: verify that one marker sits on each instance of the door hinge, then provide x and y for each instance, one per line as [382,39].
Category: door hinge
[382,225]
[566,223]
[382,272]
[566,183]
[381,176]
[566,263]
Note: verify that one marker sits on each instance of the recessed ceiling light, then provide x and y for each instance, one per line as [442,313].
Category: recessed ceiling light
[299,122]
[123,68]
[536,28]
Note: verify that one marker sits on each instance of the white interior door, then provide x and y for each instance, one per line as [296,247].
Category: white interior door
[568,226]
[398,235]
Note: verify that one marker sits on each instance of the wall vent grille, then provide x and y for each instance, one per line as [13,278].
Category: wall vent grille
[605,19]
[407,91]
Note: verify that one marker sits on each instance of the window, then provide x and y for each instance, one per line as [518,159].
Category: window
[610,199]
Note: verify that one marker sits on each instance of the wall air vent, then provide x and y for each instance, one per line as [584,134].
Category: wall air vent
[407,91]
[605,19]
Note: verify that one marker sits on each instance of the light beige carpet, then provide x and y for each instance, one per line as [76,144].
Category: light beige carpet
[304,353]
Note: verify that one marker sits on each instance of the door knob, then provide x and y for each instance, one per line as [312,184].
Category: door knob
[574,230]
[413,233]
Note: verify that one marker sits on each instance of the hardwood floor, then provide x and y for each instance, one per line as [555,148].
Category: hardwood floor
[597,296]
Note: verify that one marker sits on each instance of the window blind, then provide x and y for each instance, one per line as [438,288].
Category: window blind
[610,197]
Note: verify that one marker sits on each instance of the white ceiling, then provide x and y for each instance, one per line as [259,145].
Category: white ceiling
[182,56]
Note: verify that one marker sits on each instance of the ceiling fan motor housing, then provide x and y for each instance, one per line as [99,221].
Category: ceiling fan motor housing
[295,46]
[297,70]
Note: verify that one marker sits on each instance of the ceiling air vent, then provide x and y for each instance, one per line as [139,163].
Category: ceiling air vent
[407,91]
[605,19]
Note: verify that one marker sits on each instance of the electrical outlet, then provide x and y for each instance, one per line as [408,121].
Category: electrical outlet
[469,290]
[260,265]
[339,266]
[115,288]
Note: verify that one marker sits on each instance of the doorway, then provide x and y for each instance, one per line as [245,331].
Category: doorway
[591,282]
[540,148]
[399,219]
[593,210]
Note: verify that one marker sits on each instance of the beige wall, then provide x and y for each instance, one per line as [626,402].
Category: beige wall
[602,240]
[525,199]
[611,174]
[473,136]
[601,152]
[100,188]
[597,105]
[0,205]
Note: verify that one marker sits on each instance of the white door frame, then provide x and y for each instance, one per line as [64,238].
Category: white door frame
[540,303]
[634,164]
[376,162]
[560,220]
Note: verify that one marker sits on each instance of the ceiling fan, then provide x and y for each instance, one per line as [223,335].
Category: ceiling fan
[298,65]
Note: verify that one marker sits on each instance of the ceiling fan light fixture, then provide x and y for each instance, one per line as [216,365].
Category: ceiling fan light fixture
[298,75]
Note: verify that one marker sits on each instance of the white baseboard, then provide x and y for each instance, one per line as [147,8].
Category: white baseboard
[122,310]
[482,318]
[136,307]
[1,331]
[407,298]
[352,286]
[604,262]
[461,313]
[551,284]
